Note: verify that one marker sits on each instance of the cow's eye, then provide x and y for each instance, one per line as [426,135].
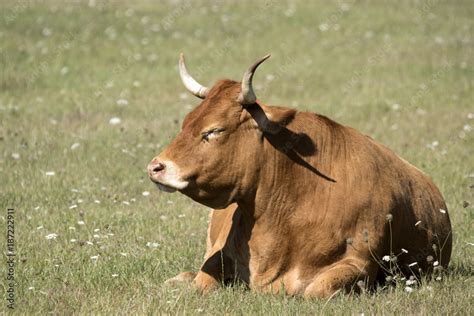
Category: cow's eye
[207,135]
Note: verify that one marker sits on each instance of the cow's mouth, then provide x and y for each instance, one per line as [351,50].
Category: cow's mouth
[165,188]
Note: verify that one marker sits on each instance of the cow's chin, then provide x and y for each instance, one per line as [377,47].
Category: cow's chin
[165,188]
[220,201]
[214,203]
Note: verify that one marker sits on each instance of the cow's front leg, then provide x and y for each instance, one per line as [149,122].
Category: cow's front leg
[342,276]
[205,283]
[202,281]
[218,266]
[215,271]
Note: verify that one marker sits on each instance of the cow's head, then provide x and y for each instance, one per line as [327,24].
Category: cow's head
[217,157]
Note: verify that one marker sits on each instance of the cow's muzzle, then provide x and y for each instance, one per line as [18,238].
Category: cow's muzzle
[166,175]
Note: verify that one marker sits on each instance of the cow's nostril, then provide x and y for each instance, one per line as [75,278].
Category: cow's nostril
[160,166]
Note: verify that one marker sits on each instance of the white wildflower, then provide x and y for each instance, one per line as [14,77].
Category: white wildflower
[16,156]
[115,275]
[96,201]
[47,32]
[72,240]
[145,193]
[51,236]
[80,223]
[50,173]
[436,263]
[137,56]
[323,27]
[410,282]
[75,146]
[386,258]
[122,102]
[433,145]
[39,227]
[124,254]
[90,243]
[442,211]
[152,244]
[408,289]
[270,77]
[72,206]
[94,258]
[115,121]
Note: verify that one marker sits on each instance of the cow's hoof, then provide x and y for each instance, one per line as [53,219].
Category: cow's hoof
[205,283]
[183,277]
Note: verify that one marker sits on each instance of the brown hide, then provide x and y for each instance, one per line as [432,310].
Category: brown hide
[305,204]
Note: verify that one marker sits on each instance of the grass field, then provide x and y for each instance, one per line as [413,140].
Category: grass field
[90,93]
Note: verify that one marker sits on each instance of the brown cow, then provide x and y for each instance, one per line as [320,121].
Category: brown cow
[302,203]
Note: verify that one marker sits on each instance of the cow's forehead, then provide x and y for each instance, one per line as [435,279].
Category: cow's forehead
[219,106]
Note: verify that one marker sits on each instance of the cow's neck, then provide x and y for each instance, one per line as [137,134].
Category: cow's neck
[286,175]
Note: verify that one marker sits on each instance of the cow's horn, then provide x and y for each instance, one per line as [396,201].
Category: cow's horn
[247,96]
[192,85]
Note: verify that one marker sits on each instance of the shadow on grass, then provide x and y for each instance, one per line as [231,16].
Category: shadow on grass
[460,269]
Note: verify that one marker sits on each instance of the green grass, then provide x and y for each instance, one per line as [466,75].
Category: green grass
[400,72]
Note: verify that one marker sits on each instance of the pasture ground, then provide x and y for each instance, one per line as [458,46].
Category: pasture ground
[87,237]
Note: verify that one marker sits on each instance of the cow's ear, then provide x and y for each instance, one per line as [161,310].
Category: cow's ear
[280,115]
[270,119]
